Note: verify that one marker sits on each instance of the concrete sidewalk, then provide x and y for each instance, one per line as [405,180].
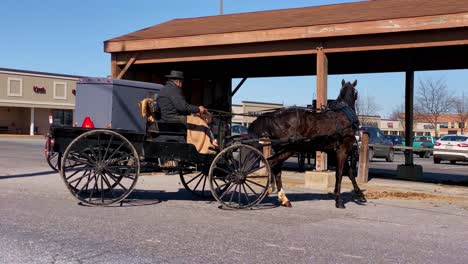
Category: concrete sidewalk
[294,179]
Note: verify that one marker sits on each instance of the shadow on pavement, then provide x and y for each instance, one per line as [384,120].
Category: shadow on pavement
[34,174]
[153,197]
[301,197]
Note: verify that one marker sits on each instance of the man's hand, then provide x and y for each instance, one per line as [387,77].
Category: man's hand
[202,109]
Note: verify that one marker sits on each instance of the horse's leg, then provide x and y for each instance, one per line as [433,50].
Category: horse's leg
[276,170]
[341,157]
[352,175]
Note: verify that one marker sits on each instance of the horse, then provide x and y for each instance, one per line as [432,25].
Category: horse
[330,130]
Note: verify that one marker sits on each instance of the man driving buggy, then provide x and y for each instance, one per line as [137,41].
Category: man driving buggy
[172,104]
[173,107]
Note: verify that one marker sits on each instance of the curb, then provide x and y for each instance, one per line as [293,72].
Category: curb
[21,136]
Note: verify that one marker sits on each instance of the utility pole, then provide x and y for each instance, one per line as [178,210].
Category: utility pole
[220,7]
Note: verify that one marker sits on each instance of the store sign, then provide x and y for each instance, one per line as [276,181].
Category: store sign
[390,124]
[39,90]
[428,126]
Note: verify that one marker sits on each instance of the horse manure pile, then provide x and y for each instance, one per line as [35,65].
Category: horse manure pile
[409,196]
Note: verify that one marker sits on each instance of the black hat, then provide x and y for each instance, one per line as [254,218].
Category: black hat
[176,75]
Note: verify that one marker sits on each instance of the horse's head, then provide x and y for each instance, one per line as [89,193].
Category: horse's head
[348,93]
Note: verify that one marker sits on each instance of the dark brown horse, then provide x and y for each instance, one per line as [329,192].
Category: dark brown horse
[330,130]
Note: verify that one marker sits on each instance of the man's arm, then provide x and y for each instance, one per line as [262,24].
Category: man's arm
[182,106]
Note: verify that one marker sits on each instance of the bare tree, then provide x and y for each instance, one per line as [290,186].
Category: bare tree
[366,109]
[433,99]
[398,113]
[461,109]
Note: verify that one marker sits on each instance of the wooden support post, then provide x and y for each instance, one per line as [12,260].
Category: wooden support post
[266,142]
[129,63]
[322,78]
[115,69]
[363,169]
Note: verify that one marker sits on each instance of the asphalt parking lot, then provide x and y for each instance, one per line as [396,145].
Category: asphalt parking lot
[162,223]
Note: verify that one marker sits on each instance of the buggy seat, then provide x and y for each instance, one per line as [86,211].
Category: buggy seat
[168,132]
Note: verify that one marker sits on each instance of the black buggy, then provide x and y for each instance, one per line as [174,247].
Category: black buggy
[101,159]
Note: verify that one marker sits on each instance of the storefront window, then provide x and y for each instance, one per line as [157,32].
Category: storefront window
[62,117]
[443,125]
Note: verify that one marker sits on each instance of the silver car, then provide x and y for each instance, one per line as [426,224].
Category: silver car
[452,142]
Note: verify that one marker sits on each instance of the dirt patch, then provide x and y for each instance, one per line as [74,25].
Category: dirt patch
[410,196]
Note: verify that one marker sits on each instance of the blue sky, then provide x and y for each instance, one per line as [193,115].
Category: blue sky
[67,37]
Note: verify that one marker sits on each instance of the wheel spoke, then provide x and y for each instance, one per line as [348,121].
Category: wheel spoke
[99,148]
[246,194]
[254,170]
[224,193]
[257,177]
[255,183]
[86,156]
[93,153]
[76,172]
[222,185]
[232,195]
[107,148]
[198,175]
[117,181]
[94,187]
[251,165]
[109,185]
[115,151]
[78,164]
[198,183]
[85,185]
[233,161]
[82,176]
[204,183]
[251,188]
[239,194]
[76,185]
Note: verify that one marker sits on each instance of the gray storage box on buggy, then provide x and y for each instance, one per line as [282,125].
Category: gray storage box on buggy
[112,103]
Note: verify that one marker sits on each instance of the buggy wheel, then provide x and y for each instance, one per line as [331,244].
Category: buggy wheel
[100,167]
[53,159]
[196,183]
[240,176]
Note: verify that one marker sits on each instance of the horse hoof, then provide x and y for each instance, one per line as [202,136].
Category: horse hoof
[340,205]
[362,199]
[287,204]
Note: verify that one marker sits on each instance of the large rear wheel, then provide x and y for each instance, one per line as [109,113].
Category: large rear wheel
[100,167]
[240,176]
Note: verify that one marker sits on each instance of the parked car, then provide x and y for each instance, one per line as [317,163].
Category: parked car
[238,130]
[423,142]
[453,142]
[384,146]
[395,139]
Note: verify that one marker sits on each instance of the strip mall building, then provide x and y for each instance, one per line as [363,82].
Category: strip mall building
[30,101]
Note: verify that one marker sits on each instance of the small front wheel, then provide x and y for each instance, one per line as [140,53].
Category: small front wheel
[240,176]
[53,159]
[196,183]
